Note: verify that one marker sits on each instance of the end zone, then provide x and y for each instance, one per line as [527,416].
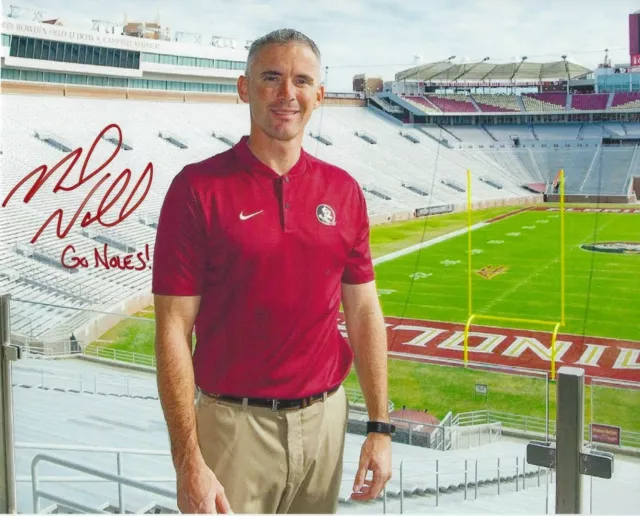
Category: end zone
[442,342]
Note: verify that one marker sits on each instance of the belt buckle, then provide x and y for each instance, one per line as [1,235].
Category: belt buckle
[274,405]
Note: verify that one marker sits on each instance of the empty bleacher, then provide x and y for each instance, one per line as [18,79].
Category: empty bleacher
[203,130]
[544,101]
[589,102]
[500,102]
[452,102]
[626,100]
[422,103]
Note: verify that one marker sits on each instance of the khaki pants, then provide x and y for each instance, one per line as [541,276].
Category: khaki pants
[287,461]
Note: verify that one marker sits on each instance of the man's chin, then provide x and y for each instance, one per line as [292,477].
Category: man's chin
[284,134]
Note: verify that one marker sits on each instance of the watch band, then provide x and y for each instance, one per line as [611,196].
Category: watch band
[379,427]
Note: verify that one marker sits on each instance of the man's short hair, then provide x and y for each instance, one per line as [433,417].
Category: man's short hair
[281,37]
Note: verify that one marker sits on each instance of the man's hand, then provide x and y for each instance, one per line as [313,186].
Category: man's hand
[375,456]
[200,492]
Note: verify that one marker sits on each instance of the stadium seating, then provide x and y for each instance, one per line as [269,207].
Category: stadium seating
[611,171]
[500,102]
[422,103]
[395,172]
[453,103]
[394,165]
[544,101]
[626,100]
[589,102]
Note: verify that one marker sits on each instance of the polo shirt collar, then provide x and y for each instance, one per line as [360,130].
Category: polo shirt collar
[243,152]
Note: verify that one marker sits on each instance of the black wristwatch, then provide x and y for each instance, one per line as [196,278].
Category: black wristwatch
[380,428]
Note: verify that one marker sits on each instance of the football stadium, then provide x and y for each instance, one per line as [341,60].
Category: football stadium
[505,231]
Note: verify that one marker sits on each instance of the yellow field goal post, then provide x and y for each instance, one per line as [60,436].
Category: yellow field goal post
[556,325]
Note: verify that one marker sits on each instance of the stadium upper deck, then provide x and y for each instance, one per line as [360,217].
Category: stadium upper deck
[42,52]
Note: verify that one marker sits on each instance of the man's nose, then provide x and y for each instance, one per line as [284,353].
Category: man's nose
[287,89]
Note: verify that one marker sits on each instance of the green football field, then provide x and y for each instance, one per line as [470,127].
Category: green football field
[602,293]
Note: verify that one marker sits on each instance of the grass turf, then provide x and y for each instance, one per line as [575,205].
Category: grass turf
[602,297]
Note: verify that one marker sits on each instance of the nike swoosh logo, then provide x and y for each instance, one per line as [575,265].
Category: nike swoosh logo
[245,217]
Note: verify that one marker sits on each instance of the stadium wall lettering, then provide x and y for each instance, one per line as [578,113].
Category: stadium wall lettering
[101,258]
[442,342]
[71,179]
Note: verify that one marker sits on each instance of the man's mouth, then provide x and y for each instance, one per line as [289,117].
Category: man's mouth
[284,112]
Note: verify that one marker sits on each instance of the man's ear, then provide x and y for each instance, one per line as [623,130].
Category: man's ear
[243,89]
[319,96]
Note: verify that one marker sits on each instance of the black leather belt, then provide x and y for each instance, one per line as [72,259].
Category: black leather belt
[275,404]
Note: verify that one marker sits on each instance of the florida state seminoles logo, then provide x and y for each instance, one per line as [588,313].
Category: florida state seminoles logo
[326,215]
[613,247]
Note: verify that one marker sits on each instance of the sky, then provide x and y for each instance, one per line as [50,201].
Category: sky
[383,37]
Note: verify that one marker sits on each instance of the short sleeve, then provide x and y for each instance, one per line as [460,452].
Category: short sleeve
[359,267]
[179,255]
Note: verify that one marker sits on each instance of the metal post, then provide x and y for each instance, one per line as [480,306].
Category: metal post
[437,485]
[384,500]
[465,479]
[517,475]
[120,486]
[475,484]
[401,490]
[7,459]
[498,475]
[524,474]
[569,436]
[546,409]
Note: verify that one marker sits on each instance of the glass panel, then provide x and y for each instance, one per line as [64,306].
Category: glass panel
[37,51]
[22,46]
[30,48]
[85,392]
[75,54]
[612,424]
[110,57]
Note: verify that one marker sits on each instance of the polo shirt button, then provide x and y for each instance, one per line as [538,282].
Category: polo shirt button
[286,205]
[286,179]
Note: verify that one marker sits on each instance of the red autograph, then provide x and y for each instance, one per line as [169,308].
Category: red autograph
[102,259]
[70,160]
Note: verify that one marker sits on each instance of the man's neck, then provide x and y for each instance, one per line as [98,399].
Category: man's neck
[277,155]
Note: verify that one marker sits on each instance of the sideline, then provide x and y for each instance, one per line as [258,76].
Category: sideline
[428,243]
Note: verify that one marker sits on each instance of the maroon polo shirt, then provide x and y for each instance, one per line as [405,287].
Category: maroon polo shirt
[267,254]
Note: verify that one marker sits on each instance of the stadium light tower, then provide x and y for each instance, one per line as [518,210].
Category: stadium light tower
[18,11]
[566,69]
[515,71]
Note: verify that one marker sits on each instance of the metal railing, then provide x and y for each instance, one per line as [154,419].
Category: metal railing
[531,424]
[82,383]
[121,356]
[440,478]
[119,478]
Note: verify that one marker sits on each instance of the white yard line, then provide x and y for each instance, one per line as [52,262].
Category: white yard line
[428,243]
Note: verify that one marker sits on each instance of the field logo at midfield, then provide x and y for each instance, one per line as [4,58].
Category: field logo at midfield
[613,247]
[491,271]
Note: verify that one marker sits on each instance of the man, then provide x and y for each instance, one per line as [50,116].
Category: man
[257,246]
